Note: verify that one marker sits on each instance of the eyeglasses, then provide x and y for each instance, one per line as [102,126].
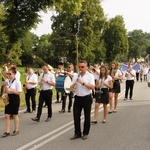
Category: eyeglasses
[8,73]
[81,67]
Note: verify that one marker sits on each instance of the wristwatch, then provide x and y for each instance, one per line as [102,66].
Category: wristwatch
[83,83]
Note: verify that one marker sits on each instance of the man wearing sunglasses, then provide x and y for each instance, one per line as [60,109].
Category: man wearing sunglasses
[83,83]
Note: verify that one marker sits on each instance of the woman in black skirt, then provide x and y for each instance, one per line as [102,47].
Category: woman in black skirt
[13,91]
[104,83]
[116,75]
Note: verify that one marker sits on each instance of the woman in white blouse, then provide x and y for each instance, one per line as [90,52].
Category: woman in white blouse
[116,75]
[13,91]
[104,83]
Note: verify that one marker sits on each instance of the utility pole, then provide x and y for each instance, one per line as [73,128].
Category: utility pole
[77,43]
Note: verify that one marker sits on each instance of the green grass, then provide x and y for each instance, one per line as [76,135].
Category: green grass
[22,95]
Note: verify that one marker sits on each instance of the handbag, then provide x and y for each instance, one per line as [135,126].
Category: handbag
[148,83]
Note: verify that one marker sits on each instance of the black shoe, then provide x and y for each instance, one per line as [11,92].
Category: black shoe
[15,133]
[125,99]
[131,99]
[36,119]
[5,134]
[48,119]
[58,102]
[62,111]
[103,121]
[84,137]
[110,112]
[27,112]
[94,122]
[75,137]
[69,110]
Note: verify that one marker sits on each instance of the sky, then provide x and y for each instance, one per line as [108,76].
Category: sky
[136,15]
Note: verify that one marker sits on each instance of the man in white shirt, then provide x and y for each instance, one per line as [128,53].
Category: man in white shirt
[30,85]
[46,81]
[130,77]
[83,83]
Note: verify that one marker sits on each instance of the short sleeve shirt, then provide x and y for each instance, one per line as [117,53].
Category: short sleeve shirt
[82,90]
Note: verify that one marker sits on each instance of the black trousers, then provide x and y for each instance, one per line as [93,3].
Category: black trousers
[31,93]
[137,76]
[79,104]
[45,96]
[129,86]
[64,97]
[58,95]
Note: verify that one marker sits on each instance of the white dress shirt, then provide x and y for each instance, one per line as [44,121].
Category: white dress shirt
[48,77]
[14,84]
[32,78]
[80,89]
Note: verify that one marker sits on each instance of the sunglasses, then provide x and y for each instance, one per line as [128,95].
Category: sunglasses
[81,67]
[8,73]
[69,67]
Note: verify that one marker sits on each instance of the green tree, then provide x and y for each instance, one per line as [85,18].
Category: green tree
[3,37]
[80,33]
[116,40]
[44,49]
[137,43]
[29,43]
[22,15]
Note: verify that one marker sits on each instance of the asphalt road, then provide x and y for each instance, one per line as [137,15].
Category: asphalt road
[128,129]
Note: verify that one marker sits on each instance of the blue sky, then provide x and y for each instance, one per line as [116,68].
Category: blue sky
[135,13]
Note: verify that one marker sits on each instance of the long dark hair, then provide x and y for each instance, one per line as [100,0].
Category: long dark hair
[116,67]
[106,72]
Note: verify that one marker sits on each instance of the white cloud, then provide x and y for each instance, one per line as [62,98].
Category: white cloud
[135,13]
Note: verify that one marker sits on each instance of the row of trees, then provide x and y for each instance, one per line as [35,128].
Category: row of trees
[80,31]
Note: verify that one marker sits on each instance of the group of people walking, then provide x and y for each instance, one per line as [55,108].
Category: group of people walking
[99,83]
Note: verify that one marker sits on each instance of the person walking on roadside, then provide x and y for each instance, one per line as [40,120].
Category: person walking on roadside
[130,75]
[84,84]
[59,72]
[96,72]
[46,81]
[30,85]
[104,83]
[69,72]
[116,75]
[13,91]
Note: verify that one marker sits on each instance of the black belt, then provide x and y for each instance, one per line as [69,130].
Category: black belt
[130,80]
[84,96]
[46,90]
[31,89]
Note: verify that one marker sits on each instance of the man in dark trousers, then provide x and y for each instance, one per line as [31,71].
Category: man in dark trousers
[46,81]
[130,77]
[83,83]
